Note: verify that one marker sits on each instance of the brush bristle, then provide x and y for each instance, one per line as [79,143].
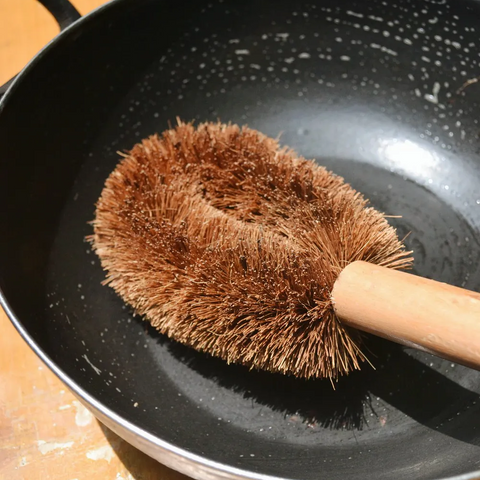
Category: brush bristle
[230,244]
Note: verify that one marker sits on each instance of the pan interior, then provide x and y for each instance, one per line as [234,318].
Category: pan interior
[369,91]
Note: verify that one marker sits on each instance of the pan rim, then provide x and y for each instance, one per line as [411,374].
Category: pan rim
[168,454]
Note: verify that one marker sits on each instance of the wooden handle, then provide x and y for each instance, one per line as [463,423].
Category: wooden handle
[425,314]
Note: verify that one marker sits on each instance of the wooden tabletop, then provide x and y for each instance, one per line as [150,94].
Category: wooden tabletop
[45,433]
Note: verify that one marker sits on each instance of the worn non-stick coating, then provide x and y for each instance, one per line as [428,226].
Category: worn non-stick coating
[367,88]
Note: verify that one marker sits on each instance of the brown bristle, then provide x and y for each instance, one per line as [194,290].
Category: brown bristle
[230,244]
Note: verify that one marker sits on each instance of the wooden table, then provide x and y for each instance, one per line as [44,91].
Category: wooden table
[44,431]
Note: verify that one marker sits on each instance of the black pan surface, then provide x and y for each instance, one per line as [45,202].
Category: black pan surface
[368,89]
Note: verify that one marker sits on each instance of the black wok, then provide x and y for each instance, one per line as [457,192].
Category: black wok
[383,93]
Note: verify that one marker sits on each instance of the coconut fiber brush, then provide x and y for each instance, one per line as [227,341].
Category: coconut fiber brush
[234,246]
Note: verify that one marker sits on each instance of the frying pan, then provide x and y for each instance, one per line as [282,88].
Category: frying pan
[383,93]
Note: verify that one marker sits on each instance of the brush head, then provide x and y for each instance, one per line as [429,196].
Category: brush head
[230,244]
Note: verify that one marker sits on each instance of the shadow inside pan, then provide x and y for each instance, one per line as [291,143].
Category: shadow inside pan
[351,404]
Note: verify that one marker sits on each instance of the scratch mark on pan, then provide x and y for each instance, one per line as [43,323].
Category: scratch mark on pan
[433,98]
[384,49]
[97,370]
[354,14]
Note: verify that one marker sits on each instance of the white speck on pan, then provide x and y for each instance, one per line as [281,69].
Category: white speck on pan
[242,52]
[389,51]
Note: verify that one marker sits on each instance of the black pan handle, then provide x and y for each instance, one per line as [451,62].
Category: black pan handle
[63,12]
